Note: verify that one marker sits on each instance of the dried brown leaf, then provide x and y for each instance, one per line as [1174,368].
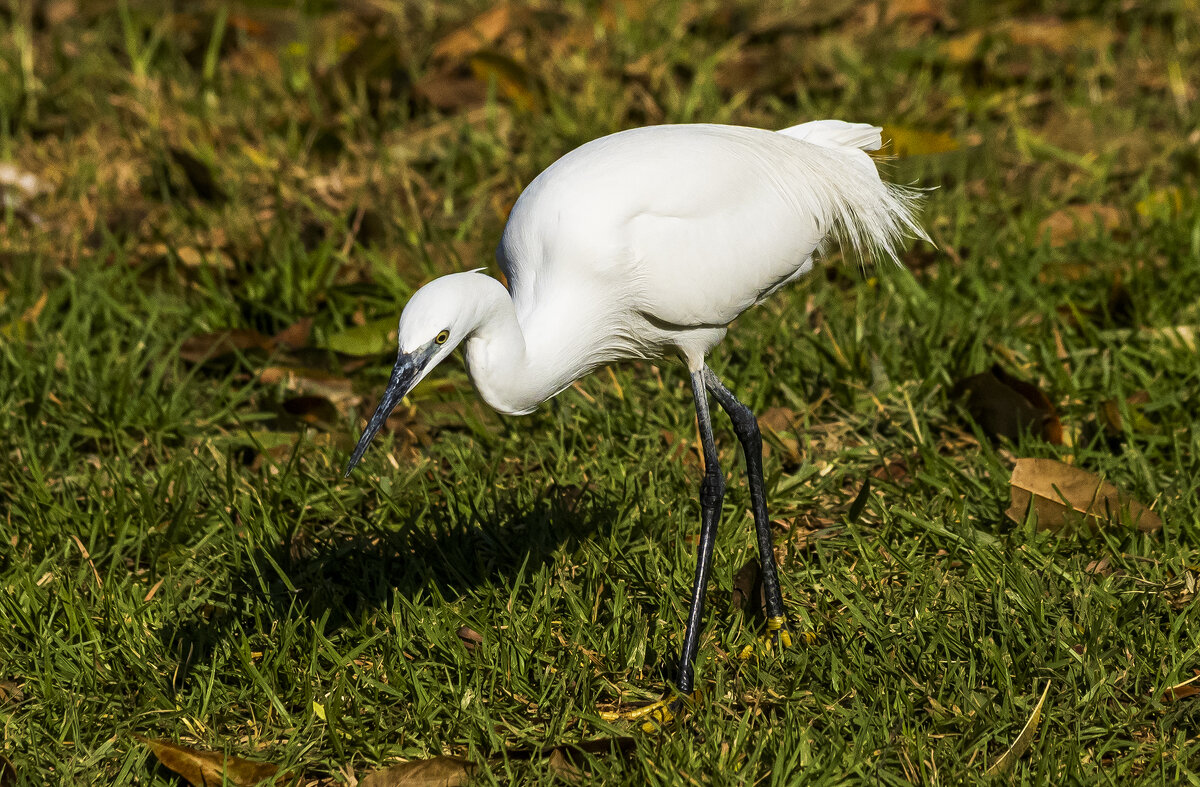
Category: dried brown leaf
[513,80]
[964,48]
[209,768]
[471,638]
[1005,406]
[207,346]
[925,10]
[451,91]
[483,30]
[10,691]
[435,772]
[1061,495]
[1076,221]
[1181,691]
[312,382]
[8,772]
[746,584]
[1059,36]
[296,335]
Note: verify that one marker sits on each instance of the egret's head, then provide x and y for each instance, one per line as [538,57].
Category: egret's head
[437,318]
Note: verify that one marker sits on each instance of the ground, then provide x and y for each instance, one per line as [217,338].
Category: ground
[213,217]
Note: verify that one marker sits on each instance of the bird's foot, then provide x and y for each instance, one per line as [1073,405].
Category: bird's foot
[655,715]
[776,638]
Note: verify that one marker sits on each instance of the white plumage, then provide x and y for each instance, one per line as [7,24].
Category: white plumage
[646,243]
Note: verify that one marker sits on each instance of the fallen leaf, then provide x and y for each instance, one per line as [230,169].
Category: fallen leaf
[1076,221]
[1113,422]
[374,338]
[208,346]
[451,91]
[1181,691]
[1007,407]
[312,382]
[963,49]
[208,768]
[471,638]
[312,410]
[924,10]
[295,335]
[1021,744]
[568,759]
[1060,494]
[483,30]
[746,584]
[913,142]
[894,470]
[1057,35]
[562,767]
[513,80]
[780,423]
[435,772]
[10,691]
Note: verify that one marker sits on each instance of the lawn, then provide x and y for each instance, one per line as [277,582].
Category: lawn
[212,217]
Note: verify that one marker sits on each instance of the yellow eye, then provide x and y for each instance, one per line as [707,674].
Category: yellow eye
[442,337]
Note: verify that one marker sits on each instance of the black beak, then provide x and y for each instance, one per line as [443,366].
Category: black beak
[405,373]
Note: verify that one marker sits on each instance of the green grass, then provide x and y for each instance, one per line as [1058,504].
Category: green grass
[180,557]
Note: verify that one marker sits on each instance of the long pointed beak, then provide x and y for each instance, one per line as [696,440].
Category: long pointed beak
[405,375]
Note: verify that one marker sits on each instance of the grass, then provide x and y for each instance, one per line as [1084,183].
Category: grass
[181,558]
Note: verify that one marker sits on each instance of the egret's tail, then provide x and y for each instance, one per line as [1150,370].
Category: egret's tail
[872,215]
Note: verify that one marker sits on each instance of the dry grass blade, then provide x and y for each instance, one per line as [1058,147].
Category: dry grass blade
[436,772]
[1021,744]
[1061,495]
[206,768]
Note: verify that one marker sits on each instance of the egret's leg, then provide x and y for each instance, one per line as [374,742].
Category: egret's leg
[745,425]
[712,494]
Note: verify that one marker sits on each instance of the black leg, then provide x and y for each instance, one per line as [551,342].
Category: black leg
[746,427]
[712,494]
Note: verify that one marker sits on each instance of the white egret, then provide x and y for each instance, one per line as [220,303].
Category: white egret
[648,243]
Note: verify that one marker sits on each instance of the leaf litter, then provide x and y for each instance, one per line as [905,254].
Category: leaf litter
[1059,496]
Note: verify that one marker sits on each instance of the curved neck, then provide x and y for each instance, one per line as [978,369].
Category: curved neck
[511,373]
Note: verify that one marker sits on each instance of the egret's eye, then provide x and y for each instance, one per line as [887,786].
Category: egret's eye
[442,337]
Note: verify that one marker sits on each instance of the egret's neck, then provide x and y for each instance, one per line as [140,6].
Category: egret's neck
[514,373]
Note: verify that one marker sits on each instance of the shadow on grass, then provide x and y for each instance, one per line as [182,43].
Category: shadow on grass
[341,577]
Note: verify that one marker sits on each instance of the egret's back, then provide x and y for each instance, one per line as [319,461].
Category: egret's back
[690,225]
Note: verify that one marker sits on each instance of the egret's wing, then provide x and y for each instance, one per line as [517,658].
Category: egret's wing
[691,225]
